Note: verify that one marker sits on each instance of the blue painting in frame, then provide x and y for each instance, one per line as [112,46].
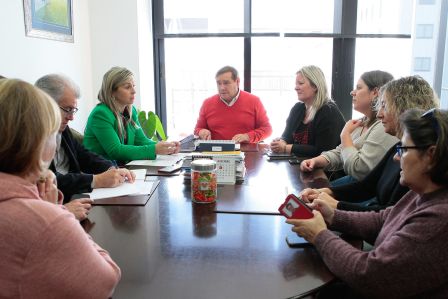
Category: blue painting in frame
[51,19]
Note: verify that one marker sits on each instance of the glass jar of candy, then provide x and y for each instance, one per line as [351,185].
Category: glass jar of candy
[203,181]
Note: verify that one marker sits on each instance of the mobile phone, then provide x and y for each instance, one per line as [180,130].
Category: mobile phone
[293,240]
[295,208]
[295,161]
[170,169]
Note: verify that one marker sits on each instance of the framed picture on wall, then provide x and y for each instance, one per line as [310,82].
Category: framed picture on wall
[51,19]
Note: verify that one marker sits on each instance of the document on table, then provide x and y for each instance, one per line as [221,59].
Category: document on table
[140,174]
[139,187]
[162,160]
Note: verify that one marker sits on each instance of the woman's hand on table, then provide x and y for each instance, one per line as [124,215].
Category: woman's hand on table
[167,147]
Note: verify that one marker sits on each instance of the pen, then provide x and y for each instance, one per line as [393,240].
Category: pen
[114,164]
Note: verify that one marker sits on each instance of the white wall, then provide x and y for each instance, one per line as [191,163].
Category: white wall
[116,27]
[29,58]
[106,33]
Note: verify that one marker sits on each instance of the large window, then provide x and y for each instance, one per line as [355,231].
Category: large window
[424,31]
[268,41]
[203,16]
[190,67]
[292,16]
[275,62]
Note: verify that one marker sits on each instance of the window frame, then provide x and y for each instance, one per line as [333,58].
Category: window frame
[343,60]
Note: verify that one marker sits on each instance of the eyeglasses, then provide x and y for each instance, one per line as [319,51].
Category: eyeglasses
[69,111]
[403,149]
[430,115]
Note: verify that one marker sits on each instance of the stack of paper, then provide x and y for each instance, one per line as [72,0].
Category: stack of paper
[139,187]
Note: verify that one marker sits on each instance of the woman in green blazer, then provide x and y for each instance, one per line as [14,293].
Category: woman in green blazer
[113,130]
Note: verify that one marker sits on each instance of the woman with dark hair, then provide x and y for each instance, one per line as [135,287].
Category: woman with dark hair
[409,258]
[363,141]
[381,186]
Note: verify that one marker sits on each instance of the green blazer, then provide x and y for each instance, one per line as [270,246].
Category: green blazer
[101,136]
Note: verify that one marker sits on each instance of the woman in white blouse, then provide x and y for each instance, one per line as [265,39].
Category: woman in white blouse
[363,141]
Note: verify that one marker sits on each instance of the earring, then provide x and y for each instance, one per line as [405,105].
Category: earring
[374,104]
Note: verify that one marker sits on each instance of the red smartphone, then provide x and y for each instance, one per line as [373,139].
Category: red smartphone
[295,208]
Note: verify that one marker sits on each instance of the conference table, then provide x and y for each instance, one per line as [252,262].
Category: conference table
[235,248]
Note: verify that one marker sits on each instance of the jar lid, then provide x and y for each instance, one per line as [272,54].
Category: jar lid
[203,165]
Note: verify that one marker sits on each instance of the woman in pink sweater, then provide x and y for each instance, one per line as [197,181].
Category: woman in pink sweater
[44,251]
[409,258]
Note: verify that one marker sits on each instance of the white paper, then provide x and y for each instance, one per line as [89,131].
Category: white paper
[137,188]
[140,174]
[162,160]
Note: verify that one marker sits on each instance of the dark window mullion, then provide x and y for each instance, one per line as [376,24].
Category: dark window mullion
[247,46]
[159,61]
[344,55]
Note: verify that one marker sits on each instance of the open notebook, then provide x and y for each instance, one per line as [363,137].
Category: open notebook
[126,193]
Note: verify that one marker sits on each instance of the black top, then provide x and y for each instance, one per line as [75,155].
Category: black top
[323,130]
[383,183]
[83,165]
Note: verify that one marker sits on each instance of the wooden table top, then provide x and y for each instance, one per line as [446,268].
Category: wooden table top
[173,248]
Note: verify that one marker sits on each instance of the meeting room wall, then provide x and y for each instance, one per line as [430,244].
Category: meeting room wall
[121,35]
[29,58]
[106,33]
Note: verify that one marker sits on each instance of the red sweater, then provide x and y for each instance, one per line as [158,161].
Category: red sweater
[246,116]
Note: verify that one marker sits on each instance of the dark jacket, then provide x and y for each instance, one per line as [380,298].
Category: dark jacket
[382,183]
[324,133]
[83,165]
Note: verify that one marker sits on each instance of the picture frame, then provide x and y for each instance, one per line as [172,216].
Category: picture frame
[50,19]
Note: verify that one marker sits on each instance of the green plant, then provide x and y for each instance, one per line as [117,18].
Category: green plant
[151,125]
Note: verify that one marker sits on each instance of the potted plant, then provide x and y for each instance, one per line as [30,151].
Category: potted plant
[151,125]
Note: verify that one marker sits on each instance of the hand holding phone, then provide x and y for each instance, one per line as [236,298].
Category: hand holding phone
[295,208]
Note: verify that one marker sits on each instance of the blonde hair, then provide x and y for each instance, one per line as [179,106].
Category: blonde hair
[406,93]
[317,79]
[112,80]
[27,117]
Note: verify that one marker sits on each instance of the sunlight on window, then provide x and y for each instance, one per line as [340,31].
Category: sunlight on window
[191,65]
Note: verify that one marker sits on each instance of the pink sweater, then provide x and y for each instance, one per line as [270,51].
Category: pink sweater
[247,115]
[44,251]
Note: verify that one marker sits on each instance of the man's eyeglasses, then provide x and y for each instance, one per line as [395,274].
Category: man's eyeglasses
[69,111]
[403,149]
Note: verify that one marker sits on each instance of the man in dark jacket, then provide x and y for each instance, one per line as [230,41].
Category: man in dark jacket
[77,169]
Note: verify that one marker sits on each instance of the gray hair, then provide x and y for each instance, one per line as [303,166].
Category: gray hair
[406,93]
[55,85]
[227,69]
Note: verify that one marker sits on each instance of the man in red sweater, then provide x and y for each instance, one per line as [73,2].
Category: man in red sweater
[232,114]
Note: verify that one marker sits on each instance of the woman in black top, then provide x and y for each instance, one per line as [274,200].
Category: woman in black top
[314,124]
